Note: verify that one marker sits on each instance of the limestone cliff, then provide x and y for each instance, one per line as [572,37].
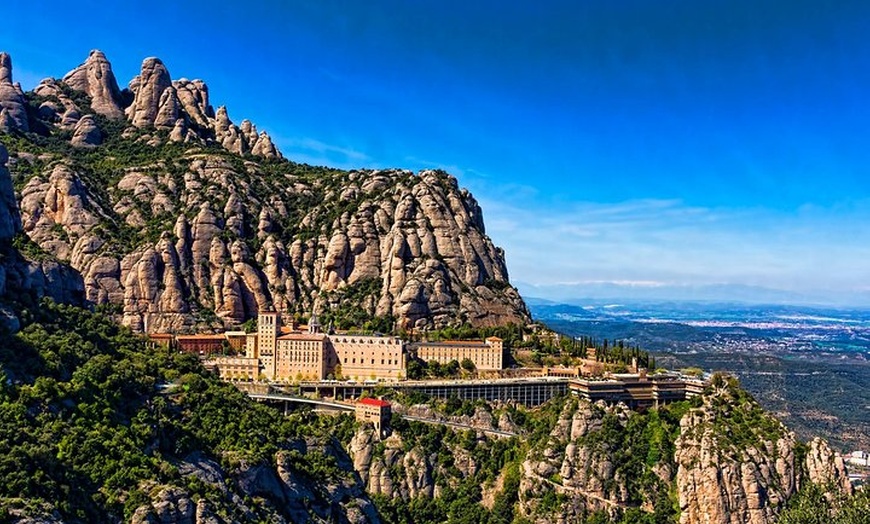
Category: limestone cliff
[725,461]
[28,278]
[597,459]
[737,464]
[404,466]
[180,218]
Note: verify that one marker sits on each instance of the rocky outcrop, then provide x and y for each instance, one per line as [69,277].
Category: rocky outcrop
[728,462]
[279,491]
[13,106]
[729,473]
[182,107]
[417,238]
[583,470]
[147,89]
[392,468]
[21,277]
[203,239]
[96,79]
[10,220]
[86,133]
[826,468]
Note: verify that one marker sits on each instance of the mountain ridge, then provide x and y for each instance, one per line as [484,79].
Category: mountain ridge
[182,220]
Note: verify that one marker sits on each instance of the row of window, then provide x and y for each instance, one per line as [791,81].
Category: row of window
[368,354]
[364,341]
[389,361]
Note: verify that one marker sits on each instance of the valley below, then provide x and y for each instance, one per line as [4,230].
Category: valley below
[808,365]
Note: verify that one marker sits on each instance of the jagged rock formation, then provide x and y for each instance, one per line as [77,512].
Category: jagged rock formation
[390,469]
[731,480]
[18,275]
[96,79]
[727,462]
[86,133]
[584,470]
[185,219]
[278,489]
[13,112]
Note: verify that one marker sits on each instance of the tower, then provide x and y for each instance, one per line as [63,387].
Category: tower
[313,324]
[268,328]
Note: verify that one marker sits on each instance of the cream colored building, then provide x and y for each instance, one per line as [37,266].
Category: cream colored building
[376,412]
[236,368]
[365,357]
[288,355]
[487,355]
[301,356]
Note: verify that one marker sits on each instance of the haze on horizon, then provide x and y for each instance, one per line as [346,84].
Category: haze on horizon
[640,143]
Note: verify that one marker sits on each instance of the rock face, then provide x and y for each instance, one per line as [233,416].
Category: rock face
[415,242]
[726,462]
[86,133]
[13,112]
[276,492]
[198,237]
[10,220]
[20,276]
[388,468]
[723,480]
[148,90]
[587,472]
[279,489]
[96,79]
[825,468]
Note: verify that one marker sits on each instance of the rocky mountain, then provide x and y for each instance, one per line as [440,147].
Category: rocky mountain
[719,460]
[180,219]
[725,461]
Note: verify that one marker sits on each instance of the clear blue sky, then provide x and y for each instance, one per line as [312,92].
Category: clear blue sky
[650,141]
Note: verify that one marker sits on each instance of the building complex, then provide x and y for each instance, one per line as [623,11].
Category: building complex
[284,353]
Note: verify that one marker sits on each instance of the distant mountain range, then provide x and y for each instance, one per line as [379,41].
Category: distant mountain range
[581,293]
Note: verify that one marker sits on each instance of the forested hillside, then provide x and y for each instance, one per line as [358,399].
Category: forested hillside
[96,427]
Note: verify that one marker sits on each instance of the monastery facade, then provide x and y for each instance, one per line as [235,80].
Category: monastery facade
[313,355]
[277,353]
[487,355]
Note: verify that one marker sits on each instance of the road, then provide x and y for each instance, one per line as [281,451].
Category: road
[350,407]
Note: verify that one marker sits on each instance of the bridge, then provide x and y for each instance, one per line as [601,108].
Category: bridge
[293,399]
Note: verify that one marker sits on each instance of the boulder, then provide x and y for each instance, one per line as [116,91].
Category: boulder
[86,133]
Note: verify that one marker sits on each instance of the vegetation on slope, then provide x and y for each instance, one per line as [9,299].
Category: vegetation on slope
[811,506]
[91,419]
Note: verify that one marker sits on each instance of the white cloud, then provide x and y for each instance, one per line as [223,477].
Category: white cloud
[310,145]
[652,242]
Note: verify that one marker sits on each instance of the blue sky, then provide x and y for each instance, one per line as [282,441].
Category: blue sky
[651,142]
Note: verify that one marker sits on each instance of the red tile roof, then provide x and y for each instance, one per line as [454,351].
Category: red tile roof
[374,402]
